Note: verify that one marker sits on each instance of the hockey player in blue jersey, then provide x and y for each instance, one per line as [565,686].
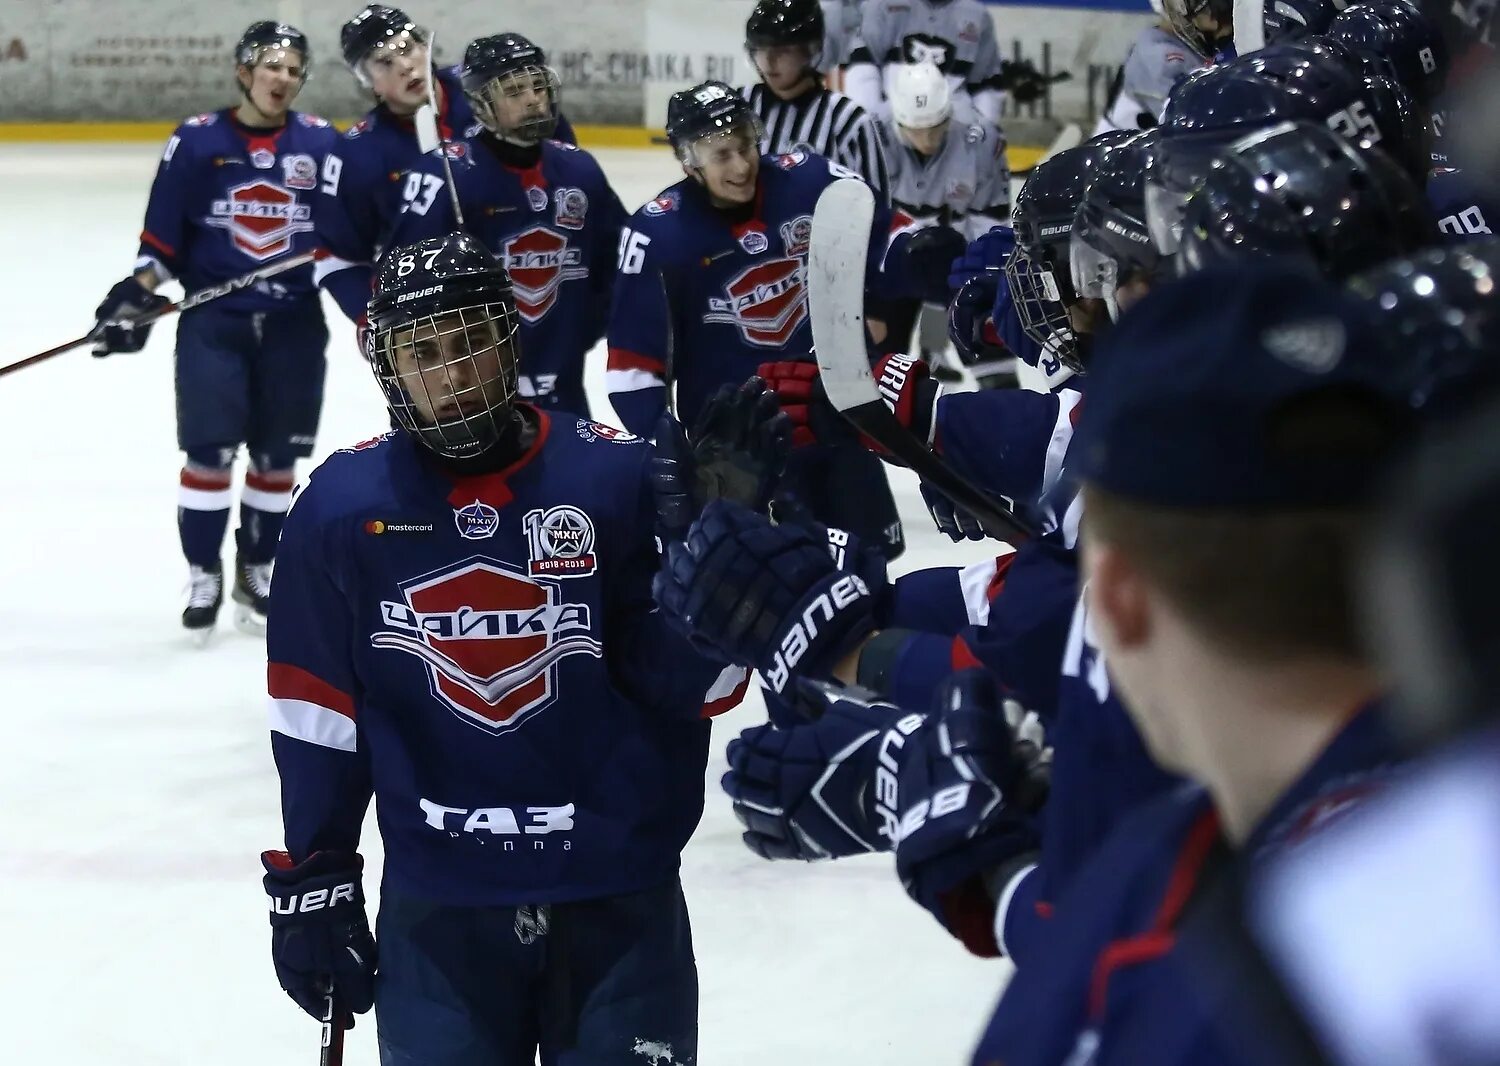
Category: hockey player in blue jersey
[544,207]
[461,626]
[365,175]
[711,285]
[234,192]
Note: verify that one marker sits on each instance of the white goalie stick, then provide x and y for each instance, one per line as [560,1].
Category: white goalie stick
[836,295]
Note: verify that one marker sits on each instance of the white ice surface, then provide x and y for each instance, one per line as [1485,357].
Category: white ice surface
[137,789]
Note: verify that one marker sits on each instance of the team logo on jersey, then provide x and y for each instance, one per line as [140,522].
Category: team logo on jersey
[206,119]
[455,149]
[560,541]
[572,205]
[362,126]
[754,242]
[538,262]
[969,33]
[794,158]
[299,172]
[925,48]
[796,235]
[667,201]
[537,198]
[262,159]
[370,443]
[476,521]
[261,218]
[766,302]
[593,431]
[489,637]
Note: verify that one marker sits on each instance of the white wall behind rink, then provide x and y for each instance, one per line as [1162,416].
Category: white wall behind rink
[97,60]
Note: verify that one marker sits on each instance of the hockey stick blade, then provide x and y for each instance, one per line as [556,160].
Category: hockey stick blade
[836,296]
[187,303]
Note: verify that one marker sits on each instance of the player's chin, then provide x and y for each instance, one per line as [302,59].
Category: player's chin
[738,194]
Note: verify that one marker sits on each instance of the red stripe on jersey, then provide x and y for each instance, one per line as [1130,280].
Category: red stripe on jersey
[147,237]
[963,658]
[997,582]
[204,481]
[493,488]
[729,702]
[625,359]
[272,481]
[286,682]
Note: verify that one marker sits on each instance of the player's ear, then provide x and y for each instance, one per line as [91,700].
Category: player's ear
[1119,597]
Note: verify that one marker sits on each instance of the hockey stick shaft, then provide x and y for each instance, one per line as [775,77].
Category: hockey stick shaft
[187,303]
[836,272]
[429,135]
[331,1051]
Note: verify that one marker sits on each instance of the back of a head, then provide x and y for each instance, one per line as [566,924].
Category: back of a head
[1398,34]
[1111,241]
[1290,20]
[1238,423]
[1301,191]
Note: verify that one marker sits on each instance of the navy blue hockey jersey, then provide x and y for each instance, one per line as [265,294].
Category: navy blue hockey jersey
[1463,210]
[1124,979]
[483,655]
[556,225]
[228,199]
[715,296]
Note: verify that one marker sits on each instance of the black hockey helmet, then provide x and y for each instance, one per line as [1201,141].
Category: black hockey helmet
[263,36]
[1183,15]
[1289,20]
[777,23]
[1301,190]
[1038,271]
[708,109]
[1398,34]
[1111,243]
[508,65]
[377,26]
[442,343]
[1442,308]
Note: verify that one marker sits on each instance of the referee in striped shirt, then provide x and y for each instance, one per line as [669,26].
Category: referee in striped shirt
[785,40]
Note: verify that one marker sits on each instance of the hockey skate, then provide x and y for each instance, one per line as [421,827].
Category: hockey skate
[252,593]
[205,594]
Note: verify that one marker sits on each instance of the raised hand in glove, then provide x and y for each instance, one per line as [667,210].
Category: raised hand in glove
[799,390]
[117,327]
[737,450]
[1024,83]
[319,933]
[809,791]
[762,595]
[970,784]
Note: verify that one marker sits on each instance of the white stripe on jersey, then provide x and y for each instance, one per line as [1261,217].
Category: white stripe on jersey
[828,122]
[313,723]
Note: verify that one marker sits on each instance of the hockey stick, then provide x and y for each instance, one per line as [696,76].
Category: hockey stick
[187,303]
[836,278]
[332,1039]
[428,137]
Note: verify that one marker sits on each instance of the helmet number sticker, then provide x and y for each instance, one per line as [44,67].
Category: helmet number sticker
[408,262]
[421,190]
[1355,122]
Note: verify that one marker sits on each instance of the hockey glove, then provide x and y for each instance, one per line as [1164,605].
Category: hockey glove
[1024,83]
[929,255]
[319,933]
[847,550]
[968,789]
[909,391]
[762,595]
[952,521]
[799,390]
[116,325]
[807,792]
[985,255]
[737,450]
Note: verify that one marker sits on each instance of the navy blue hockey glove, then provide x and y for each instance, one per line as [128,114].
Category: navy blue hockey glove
[799,390]
[1020,79]
[808,792]
[985,256]
[953,521]
[737,450]
[929,255]
[116,328]
[319,933]
[762,595]
[967,792]
[847,550]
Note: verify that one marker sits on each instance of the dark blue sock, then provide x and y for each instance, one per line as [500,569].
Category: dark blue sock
[203,500]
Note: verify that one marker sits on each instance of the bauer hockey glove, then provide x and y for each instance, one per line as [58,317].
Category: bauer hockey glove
[969,786]
[737,450]
[808,791]
[953,521]
[799,390]
[116,328]
[319,932]
[762,595]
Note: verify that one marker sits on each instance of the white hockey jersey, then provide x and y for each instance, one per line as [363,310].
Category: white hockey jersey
[965,185]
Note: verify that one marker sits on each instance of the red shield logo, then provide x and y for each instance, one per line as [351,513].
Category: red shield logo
[261,218]
[767,302]
[490,639]
[538,262]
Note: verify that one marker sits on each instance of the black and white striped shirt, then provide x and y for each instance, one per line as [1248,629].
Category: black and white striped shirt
[828,122]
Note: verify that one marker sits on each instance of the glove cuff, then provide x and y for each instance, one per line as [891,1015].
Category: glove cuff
[909,391]
[826,625]
[323,887]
